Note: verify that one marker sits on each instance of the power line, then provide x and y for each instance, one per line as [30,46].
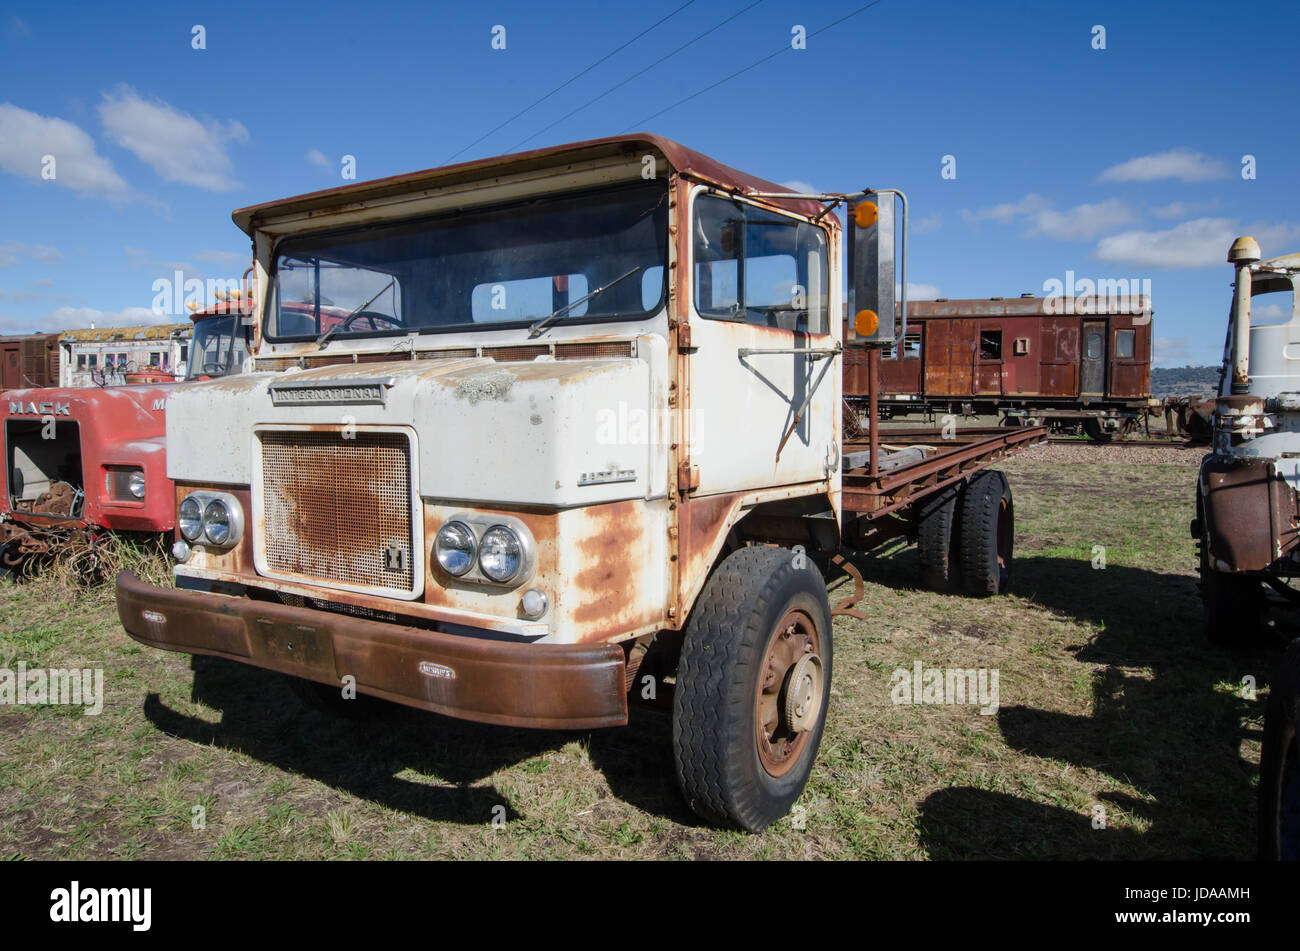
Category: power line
[639,72]
[568,81]
[759,62]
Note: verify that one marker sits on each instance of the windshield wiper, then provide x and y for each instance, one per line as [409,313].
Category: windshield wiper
[325,337]
[536,329]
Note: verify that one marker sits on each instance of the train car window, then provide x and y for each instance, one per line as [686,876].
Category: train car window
[1092,346]
[912,347]
[1021,346]
[990,344]
[1124,344]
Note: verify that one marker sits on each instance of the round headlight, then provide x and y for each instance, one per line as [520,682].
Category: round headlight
[190,518]
[136,484]
[500,554]
[454,548]
[216,522]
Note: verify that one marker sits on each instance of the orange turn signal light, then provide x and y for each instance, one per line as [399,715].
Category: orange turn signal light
[866,323]
[865,214]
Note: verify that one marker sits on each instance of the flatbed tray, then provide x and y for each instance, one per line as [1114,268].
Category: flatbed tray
[915,463]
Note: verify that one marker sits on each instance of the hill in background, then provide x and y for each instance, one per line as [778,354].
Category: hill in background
[1184,381]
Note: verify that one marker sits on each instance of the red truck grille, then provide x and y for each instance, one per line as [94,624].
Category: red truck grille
[338,510]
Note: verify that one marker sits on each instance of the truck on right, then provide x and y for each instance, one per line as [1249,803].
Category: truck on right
[1247,524]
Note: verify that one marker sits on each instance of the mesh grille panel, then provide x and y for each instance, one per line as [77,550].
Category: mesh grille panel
[339,509]
[586,351]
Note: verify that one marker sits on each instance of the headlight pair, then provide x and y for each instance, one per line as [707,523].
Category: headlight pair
[501,552]
[214,517]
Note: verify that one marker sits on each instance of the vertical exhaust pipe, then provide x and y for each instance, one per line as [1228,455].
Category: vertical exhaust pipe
[1243,253]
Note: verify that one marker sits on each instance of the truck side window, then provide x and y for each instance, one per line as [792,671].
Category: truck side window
[758,266]
[1124,344]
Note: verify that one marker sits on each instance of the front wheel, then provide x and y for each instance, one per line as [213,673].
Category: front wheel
[753,686]
[1234,604]
[1279,765]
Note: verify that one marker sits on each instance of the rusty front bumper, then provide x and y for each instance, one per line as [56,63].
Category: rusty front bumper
[566,686]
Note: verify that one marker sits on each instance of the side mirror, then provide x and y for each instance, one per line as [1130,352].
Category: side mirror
[871,317]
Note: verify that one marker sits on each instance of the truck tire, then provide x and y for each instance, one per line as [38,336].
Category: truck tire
[1234,604]
[1279,765]
[986,530]
[935,543]
[753,684]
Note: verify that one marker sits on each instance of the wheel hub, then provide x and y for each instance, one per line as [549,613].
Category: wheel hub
[788,700]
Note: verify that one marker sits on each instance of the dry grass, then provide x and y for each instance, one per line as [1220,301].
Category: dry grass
[1109,698]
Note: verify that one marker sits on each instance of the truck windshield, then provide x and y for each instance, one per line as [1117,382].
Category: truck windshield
[508,266]
[219,347]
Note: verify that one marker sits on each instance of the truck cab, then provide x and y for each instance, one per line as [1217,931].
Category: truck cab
[523,434]
[1248,493]
[83,459]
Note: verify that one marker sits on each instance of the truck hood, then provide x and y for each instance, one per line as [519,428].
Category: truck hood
[544,432]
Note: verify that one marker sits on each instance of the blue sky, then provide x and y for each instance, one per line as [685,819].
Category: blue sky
[1116,163]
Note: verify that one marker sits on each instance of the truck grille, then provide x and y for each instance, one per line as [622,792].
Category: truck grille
[339,510]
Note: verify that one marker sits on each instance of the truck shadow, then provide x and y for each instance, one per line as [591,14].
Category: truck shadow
[370,758]
[1166,720]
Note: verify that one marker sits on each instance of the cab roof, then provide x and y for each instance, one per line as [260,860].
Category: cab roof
[685,161]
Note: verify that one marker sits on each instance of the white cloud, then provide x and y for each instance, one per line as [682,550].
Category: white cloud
[922,291]
[1009,211]
[1081,221]
[929,223]
[1182,164]
[11,251]
[317,157]
[224,257]
[1201,242]
[1075,224]
[1270,313]
[179,147]
[26,138]
[1170,350]
[19,28]
[1181,209]
[76,318]
[802,187]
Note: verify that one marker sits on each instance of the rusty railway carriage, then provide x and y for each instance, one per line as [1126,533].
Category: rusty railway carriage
[1070,363]
[29,360]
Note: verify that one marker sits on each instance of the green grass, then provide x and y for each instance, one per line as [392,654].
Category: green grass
[1109,698]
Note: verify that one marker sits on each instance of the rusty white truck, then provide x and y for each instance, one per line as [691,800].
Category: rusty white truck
[572,429]
[1247,523]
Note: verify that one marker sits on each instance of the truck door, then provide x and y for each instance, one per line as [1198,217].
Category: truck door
[760,288]
[1092,371]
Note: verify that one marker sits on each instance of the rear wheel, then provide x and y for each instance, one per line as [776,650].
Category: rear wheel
[986,526]
[935,541]
[753,685]
[1279,765]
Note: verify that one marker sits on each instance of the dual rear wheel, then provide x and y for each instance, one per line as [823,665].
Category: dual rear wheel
[966,534]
